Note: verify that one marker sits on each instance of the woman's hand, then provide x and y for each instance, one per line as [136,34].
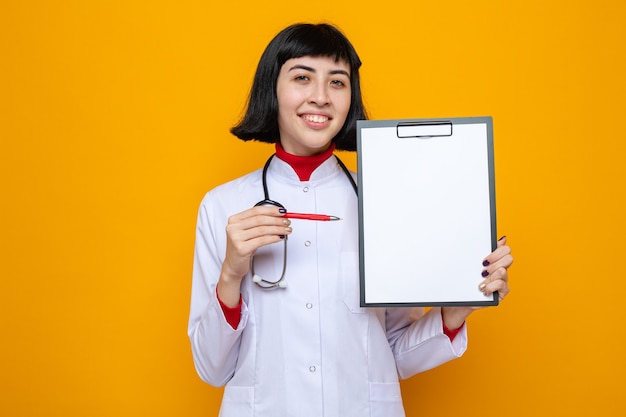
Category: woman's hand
[495,271]
[496,279]
[245,233]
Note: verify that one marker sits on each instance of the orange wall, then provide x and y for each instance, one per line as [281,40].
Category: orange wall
[114,122]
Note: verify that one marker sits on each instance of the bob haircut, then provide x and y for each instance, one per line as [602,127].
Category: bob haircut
[260,121]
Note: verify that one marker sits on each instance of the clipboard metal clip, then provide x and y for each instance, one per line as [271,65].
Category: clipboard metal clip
[423,130]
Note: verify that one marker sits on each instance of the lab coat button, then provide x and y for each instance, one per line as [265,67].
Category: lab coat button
[309,306]
[312,368]
[305,189]
[307,243]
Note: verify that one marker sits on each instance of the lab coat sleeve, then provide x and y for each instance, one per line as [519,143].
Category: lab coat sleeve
[418,341]
[214,343]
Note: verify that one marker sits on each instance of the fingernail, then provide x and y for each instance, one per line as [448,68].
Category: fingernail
[282,210]
[288,229]
[484,273]
[501,238]
[286,222]
[281,236]
[482,286]
[485,263]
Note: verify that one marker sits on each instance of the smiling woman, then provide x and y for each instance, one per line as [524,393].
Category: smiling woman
[260,121]
[114,121]
[313,103]
[305,348]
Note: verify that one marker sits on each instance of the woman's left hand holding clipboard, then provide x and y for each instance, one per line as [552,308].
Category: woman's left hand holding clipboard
[496,278]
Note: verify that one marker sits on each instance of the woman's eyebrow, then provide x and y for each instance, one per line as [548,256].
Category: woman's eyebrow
[311,69]
[302,67]
[340,71]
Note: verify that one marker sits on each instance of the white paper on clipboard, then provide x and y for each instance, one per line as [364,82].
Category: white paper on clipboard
[426,210]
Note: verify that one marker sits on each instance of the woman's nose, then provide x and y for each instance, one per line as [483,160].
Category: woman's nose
[319,95]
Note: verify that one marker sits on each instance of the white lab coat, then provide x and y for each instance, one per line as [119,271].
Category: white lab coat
[308,349]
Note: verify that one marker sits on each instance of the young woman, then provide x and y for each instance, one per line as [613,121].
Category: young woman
[275,312]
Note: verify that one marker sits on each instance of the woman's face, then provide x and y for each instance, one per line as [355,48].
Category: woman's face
[313,103]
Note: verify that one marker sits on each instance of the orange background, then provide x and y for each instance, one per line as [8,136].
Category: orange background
[114,119]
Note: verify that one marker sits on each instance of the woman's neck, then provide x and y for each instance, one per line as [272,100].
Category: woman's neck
[304,165]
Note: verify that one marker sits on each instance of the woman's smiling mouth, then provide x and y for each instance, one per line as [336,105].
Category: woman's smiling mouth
[315,118]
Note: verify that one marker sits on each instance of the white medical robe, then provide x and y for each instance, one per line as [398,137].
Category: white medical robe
[308,349]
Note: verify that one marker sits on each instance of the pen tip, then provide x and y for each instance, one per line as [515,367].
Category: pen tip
[335,218]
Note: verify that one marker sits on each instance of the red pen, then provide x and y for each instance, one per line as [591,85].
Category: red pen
[319,217]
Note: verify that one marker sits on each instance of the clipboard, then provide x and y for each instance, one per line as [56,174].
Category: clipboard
[427,214]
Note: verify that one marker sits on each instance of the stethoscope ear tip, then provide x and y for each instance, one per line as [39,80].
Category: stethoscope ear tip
[256,278]
[282,284]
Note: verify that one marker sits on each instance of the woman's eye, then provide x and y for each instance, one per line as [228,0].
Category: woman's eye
[302,78]
[338,83]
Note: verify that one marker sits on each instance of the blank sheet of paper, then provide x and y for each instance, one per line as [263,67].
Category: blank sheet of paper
[426,210]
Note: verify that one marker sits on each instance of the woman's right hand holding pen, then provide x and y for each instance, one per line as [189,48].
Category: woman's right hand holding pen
[245,233]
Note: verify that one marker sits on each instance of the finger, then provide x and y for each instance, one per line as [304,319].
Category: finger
[502,292]
[261,224]
[497,281]
[240,248]
[252,245]
[504,262]
[256,211]
[249,230]
[495,274]
[256,221]
[497,286]
[248,239]
[498,254]
[499,274]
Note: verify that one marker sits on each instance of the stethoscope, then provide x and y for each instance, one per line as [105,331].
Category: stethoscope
[267,284]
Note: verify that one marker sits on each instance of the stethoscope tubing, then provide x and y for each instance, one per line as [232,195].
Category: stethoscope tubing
[280,283]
